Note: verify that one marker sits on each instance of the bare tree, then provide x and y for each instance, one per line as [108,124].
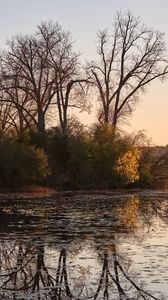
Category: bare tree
[7,118]
[130,59]
[30,74]
[69,83]
[40,71]
[19,106]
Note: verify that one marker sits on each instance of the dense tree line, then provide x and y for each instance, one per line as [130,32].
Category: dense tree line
[42,81]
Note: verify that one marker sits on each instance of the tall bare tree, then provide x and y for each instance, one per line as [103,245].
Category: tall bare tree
[42,70]
[22,113]
[70,85]
[29,72]
[129,60]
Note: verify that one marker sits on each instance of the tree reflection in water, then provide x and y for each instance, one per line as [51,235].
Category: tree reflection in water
[24,275]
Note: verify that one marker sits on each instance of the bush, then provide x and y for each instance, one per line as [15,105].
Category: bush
[21,164]
[97,160]
[127,166]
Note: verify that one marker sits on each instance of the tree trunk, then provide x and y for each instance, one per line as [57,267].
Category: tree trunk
[106,114]
[40,141]
[114,124]
[41,122]
[65,121]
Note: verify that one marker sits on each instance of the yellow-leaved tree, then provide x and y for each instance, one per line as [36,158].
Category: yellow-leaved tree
[127,165]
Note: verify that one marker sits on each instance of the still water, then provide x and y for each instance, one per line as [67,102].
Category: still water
[101,246]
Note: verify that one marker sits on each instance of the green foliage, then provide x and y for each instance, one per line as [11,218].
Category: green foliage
[145,168]
[103,156]
[20,163]
[97,160]
[78,160]
[58,156]
[116,159]
[69,159]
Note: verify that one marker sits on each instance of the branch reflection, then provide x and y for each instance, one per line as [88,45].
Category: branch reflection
[25,274]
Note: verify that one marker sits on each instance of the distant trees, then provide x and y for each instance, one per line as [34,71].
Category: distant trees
[131,57]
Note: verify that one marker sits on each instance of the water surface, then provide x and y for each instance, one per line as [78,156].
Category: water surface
[99,246]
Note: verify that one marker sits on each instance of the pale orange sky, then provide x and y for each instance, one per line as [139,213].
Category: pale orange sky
[150,115]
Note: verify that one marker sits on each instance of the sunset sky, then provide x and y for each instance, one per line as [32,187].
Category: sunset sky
[83,18]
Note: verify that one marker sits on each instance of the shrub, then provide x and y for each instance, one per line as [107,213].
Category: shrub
[21,164]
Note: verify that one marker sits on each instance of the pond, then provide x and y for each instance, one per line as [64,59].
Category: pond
[84,246]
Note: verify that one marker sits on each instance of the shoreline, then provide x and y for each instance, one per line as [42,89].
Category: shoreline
[23,194]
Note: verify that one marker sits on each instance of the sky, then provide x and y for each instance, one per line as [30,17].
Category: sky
[83,18]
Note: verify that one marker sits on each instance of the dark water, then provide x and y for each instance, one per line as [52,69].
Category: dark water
[109,246]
